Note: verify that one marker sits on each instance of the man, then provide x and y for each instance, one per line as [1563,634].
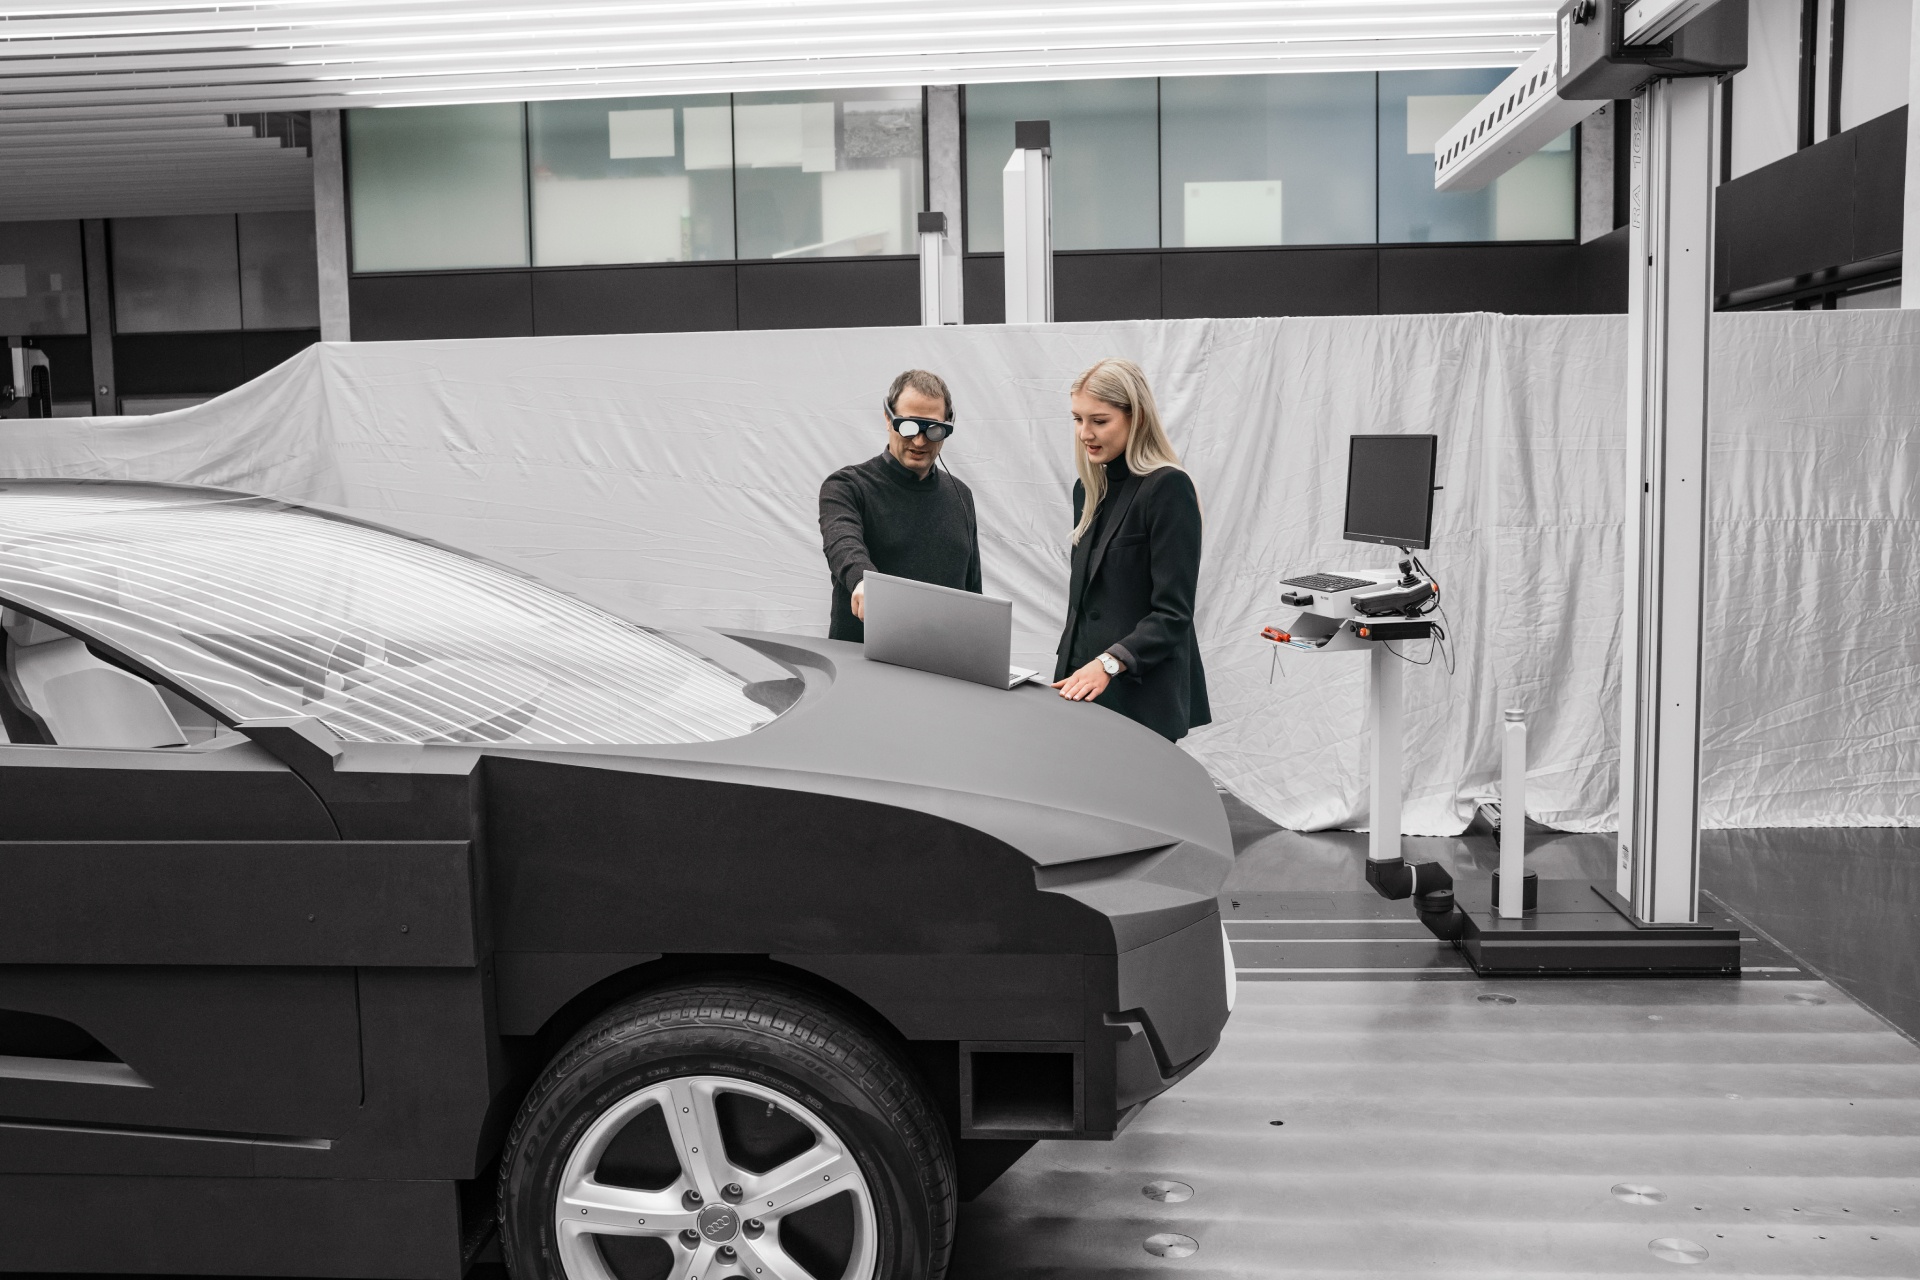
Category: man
[897,513]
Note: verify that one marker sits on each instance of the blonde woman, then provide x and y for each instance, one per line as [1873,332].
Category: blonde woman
[1129,641]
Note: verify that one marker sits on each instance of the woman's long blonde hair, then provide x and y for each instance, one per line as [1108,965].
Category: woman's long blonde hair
[1121,384]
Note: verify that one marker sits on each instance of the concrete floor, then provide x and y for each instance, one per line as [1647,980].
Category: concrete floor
[1427,1131]
[1433,1124]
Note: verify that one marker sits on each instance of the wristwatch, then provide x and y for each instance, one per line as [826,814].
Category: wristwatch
[1110,664]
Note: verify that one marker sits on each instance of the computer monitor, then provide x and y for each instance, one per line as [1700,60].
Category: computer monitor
[1390,490]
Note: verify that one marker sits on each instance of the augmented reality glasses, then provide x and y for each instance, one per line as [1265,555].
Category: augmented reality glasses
[932,428]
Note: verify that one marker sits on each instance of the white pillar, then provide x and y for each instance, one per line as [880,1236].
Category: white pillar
[1027,200]
[1513,817]
[330,224]
[1384,723]
[944,182]
[1675,160]
[933,273]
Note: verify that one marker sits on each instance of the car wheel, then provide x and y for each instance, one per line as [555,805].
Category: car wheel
[726,1130]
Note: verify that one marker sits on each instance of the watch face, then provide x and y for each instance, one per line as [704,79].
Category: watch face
[1109,664]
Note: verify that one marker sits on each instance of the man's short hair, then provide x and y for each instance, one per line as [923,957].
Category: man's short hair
[927,384]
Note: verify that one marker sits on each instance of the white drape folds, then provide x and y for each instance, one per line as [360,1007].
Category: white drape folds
[678,473]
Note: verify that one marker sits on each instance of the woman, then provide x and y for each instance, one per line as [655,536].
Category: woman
[1129,642]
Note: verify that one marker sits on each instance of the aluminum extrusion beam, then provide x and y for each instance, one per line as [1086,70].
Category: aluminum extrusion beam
[1528,109]
[1518,118]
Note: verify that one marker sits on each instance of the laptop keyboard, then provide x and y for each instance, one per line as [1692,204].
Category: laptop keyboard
[1326,582]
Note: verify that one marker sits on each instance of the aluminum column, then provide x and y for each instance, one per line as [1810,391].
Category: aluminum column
[934,307]
[1386,726]
[1027,203]
[1676,138]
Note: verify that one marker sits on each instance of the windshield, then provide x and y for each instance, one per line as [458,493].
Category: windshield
[268,611]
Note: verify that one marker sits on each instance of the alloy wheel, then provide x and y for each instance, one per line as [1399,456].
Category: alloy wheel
[723,1209]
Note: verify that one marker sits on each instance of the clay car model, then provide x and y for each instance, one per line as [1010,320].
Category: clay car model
[359,897]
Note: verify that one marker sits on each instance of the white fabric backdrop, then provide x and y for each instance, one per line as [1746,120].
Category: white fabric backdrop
[679,473]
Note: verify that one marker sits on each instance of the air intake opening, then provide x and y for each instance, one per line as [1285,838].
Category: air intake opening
[1021,1091]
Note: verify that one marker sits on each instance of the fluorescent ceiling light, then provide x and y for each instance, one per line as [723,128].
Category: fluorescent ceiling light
[103,59]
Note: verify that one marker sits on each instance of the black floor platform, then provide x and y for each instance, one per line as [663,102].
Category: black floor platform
[1834,902]
[1576,929]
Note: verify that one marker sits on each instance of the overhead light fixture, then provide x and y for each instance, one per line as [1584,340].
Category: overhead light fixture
[156,56]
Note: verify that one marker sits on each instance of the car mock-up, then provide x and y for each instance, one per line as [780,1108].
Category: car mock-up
[360,896]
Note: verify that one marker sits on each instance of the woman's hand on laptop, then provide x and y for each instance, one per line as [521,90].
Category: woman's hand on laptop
[860,600]
[1088,682]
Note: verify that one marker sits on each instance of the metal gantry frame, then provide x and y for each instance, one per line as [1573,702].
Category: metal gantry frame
[1675,163]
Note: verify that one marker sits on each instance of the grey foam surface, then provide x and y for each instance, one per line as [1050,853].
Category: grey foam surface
[1429,1133]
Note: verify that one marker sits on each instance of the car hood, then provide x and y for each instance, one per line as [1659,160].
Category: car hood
[1061,781]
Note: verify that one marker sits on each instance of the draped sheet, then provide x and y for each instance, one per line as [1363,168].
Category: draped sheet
[677,474]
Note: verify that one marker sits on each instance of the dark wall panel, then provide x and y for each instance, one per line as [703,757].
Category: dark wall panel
[491,304]
[1823,215]
[70,358]
[1518,279]
[1791,218]
[261,350]
[1879,184]
[826,294]
[985,288]
[858,292]
[654,299]
[179,364]
[187,364]
[1105,286]
[1265,282]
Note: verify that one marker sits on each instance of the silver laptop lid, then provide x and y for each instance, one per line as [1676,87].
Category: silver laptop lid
[938,629]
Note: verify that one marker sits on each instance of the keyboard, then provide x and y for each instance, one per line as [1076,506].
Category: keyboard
[1326,582]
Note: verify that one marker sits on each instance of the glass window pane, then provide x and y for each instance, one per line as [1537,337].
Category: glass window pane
[1535,200]
[266,611]
[1105,167]
[433,188]
[175,275]
[43,287]
[1284,159]
[1873,59]
[631,180]
[827,174]
[279,271]
[1766,96]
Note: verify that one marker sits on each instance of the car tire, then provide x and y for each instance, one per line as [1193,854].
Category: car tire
[822,1156]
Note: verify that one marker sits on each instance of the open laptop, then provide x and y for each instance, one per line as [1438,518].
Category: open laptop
[937,629]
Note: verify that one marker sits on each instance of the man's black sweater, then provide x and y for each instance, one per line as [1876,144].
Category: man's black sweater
[879,515]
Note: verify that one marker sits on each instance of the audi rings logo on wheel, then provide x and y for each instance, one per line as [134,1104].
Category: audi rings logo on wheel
[719,1223]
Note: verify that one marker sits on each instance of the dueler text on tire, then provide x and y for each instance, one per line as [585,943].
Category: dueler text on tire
[720,1129]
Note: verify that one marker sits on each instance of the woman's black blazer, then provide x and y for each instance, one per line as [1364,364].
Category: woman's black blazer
[1131,594]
